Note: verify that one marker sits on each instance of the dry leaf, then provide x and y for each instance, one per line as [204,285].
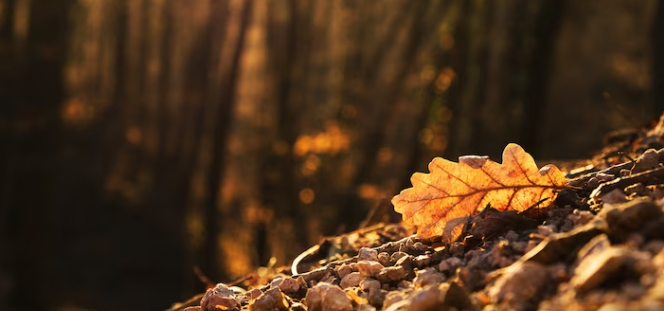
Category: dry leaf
[440,202]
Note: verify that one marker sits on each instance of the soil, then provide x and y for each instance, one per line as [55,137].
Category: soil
[599,247]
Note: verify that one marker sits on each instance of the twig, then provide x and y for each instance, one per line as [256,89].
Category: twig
[619,183]
[613,170]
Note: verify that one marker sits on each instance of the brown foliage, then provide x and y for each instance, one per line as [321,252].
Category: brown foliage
[440,202]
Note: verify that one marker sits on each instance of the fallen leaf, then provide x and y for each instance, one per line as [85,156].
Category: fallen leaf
[440,202]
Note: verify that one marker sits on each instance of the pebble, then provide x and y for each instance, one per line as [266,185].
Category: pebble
[421,261]
[393,298]
[327,297]
[629,216]
[350,280]
[614,196]
[286,284]
[384,259]
[645,162]
[428,298]
[377,297]
[407,264]
[428,276]
[450,264]
[397,255]
[247,296]
[597,267]
[343,270]
[518,284]
[272,299]
[220,295]
[546,230]
[519,247]
[511,236]
[457,249]
[369,268]
[366,253]
[391,274]
[556,247]
[369,284]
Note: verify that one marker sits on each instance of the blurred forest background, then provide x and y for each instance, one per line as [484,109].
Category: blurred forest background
[141,138]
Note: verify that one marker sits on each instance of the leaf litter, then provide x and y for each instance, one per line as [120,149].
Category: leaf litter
[440,202]
[598,245]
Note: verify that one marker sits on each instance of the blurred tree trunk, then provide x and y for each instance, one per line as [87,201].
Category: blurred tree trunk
[657,83]
[538,72]
[34,221]
[212,260]
[287,37]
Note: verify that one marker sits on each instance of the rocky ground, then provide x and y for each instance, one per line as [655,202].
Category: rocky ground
[600,247]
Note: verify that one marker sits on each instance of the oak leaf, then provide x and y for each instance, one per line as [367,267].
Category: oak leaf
[440,202]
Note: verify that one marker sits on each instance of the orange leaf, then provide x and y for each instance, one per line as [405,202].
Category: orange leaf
[439,203]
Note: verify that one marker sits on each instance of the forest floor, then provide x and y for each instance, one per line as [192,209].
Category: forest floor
[600,246]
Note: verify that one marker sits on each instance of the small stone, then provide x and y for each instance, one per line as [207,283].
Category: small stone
[369,268]
[391,274]
[422,261]
[647,161]
[384,259]
[455,297]
[397,255]
[629,216]
[350,280]
[597,267]
[615,196]
[366,253]
[428,276]
[518,284]
[392,298]
[343,270]
[456,249]
[519,247]
[511,236]
[220,295]
[428,298]
[557,246]
[405,284]
[546,230]
[287,285]
[450,264]
[377,297]
[327,297]
[272,299]
[330,278]
[316,275]
[301,282]
[420,247]
[250,295]
[369,284]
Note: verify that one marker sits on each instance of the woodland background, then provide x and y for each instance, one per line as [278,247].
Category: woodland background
[141,138]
